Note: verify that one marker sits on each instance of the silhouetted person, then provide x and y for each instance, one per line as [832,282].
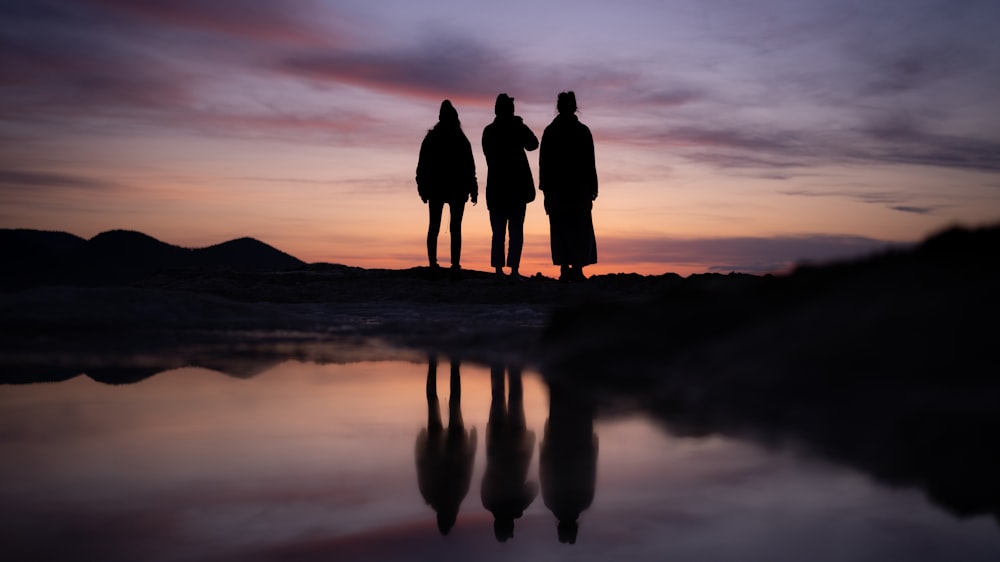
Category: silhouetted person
[446,173]
[509,185]
[568,459]
[445,455]
[509,447]
[567,175]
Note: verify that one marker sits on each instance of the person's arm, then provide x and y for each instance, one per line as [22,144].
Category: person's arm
[591,166]
[528,138]
[542,168]
[422,164]
[471,165]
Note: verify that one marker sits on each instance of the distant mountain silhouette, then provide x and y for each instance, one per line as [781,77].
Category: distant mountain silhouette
[37,243]
[121,256]
[34,257]
[246,254]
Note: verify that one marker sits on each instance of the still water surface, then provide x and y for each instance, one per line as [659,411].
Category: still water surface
[311,461]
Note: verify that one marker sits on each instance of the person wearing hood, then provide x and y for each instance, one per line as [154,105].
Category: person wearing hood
[446,173]
[509,184]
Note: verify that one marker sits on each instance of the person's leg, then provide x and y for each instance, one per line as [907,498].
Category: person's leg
[515,402]
[456,209]
[498,397]
[516,226]
[455,421]
[434,424]
[498,223]
[435,208]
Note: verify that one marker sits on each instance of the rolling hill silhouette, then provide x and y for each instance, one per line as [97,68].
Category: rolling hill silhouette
[35,257]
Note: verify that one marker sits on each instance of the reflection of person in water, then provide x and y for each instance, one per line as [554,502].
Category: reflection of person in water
[445,455]
[509,446]
[568,459]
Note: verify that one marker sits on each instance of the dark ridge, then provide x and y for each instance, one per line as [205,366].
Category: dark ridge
[938,287]
[122,256]
[119,257]
[33,257]
[887,363]
[22,241]
[246,254]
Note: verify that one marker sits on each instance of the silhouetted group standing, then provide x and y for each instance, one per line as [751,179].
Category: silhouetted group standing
[446,173]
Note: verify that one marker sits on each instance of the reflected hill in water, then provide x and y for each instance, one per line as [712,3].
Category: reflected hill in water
[241,355]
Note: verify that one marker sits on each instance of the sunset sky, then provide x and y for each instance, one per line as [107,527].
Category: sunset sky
[730,135]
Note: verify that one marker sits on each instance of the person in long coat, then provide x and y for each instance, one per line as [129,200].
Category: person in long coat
[568,458]
[446,173]
[509,184]
[567,175]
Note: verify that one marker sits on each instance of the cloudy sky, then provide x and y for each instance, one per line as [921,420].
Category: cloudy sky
[731,135]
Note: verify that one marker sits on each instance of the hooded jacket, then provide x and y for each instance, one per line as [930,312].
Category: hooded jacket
[446,169]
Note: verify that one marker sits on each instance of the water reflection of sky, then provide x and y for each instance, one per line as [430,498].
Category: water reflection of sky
[317,462]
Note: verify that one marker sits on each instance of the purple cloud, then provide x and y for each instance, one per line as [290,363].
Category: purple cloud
[900,139]
[39,180]
[257,20]
[443,67]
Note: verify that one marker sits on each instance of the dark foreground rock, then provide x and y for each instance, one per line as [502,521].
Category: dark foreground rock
[887,364]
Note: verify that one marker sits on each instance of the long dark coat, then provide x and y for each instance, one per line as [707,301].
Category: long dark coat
[446,170]
[567,172]
[508,180]
[567,175]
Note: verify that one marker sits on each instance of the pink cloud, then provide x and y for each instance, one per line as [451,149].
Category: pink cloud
[447,68]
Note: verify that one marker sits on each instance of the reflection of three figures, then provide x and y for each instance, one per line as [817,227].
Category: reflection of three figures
[568,455]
